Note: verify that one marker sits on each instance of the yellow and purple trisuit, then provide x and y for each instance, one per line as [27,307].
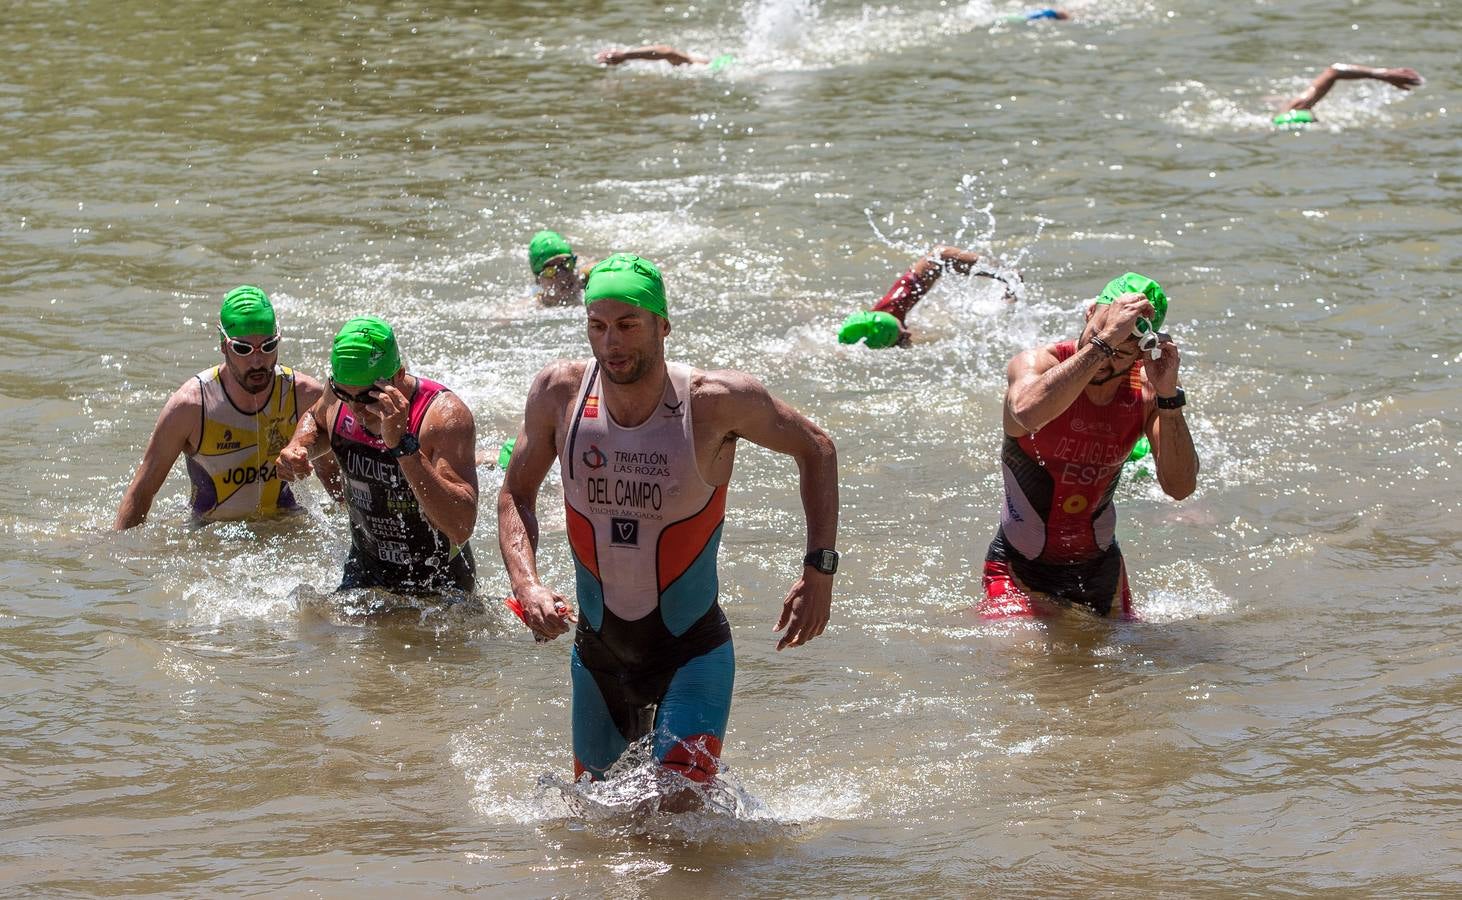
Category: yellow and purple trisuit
[233,474]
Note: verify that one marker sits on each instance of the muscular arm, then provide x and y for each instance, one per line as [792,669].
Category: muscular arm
[312,396]
[651,51]
[517,504]
[1405,79]
[1039,388]
[1167,430]
[741,407]
[309,449]
[173,434]
[443,475]
[1177,458]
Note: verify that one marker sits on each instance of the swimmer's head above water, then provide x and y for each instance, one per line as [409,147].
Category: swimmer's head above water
[556,272]
[545,247]
[364,352]
[628,321]
[1295,118]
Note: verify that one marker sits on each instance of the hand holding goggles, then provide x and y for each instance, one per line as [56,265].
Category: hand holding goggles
[244,348]
[1147,338]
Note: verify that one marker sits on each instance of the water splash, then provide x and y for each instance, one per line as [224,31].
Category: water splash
[640,799]
[774,27]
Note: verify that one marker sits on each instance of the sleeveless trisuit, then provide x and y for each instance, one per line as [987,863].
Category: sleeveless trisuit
[1058,524]
[233,475]
[392,545]
[652,651]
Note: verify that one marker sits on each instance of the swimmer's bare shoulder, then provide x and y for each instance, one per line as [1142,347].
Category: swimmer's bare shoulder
[728,404]
[552,393]
[182,415]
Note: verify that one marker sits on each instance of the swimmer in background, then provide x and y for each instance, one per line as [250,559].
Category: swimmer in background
[615,56]
[560,280]
[1036,15]
[883,326]
[1300,110]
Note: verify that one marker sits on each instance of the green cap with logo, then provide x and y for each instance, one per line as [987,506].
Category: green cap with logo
[246,310]
[364,352]
[1132,283]
[875,328]
[628,279]
[544,246]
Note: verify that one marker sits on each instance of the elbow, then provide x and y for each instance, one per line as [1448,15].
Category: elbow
[819,456]
[1022,414]
[825,451]
[460,532]
[1180,488]
[1181,493]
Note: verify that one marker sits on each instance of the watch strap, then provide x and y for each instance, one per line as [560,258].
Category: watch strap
[409,445]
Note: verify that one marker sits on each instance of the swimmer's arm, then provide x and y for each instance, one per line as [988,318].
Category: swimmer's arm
[1403,78]
[306,451]
[1039,387]
[746,409]
[652,52]
[308,390]
[534,452]
[312,396]
[964,262]
[1167,429]
[443,473]
[172,435]
[1177,458]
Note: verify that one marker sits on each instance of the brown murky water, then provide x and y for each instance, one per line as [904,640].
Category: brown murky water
[187,712]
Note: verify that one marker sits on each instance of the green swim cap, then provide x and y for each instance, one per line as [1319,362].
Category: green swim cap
[629,279]
[246,310]
[877,329]
[364,352]
[1132,283]
[722,61]
[505,453]
[544,246]
[1294,117]
[1139,449]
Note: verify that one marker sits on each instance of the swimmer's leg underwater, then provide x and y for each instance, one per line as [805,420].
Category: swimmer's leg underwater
[688,715]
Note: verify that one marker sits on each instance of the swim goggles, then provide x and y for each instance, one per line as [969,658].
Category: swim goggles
[364,398]
[244,348]
[552,267]
[1147,338]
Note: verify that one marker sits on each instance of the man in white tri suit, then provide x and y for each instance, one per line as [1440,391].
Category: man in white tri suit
[645,449]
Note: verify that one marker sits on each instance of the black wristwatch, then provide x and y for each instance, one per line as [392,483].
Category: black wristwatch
[824,561]
[409,445]
[1176,401]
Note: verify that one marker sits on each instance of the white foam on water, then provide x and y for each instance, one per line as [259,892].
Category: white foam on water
[1186,591]
[629,801]
[1203,110]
